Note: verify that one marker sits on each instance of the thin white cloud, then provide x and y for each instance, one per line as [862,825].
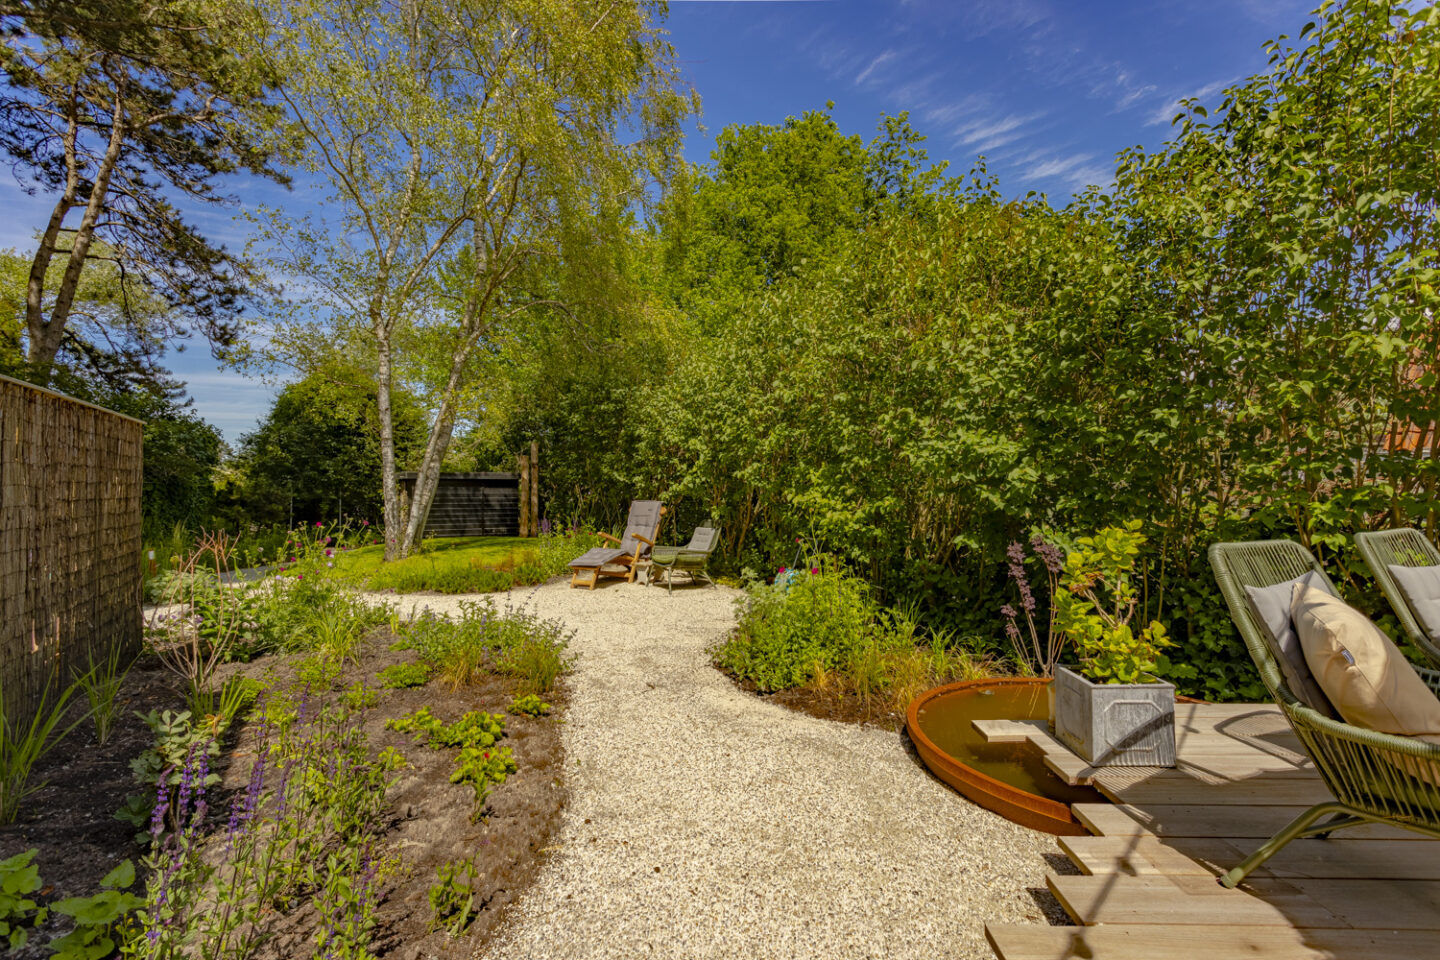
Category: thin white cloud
[947,114]
[876,64]
[989,133]
[1076,170]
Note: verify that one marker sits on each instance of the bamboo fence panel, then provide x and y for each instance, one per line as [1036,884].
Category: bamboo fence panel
[70,482]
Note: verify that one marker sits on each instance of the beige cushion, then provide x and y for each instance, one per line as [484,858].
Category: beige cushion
[1360,669]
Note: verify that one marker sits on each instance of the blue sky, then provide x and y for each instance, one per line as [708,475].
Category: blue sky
[1048,90]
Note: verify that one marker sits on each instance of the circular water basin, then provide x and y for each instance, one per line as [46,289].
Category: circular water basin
[1008,778]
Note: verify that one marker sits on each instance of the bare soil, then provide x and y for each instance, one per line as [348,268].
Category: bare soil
[431,819]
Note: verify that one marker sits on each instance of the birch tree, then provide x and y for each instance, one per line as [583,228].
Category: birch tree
[482,157]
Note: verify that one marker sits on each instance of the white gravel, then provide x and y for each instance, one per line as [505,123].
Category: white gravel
[704,822]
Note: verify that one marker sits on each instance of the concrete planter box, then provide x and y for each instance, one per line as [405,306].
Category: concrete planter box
[1118,724]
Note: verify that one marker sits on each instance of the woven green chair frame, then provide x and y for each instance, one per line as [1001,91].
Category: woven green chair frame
[1402,548]
[1374,777]
[692,559]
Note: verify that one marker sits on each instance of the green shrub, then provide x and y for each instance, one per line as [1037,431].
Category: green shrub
[19,877]
[179,745]
[402,675]
[481,763]
[474,729]
[801,625]
[452,897]
[482,769]
[529,705]
[480,639]
[97,917]
[822,628]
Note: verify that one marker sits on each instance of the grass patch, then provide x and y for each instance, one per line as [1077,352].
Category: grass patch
[465,564]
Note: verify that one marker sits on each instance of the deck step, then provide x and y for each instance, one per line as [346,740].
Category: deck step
[1186,942]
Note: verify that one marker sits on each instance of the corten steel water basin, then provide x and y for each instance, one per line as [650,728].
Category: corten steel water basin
[949,711]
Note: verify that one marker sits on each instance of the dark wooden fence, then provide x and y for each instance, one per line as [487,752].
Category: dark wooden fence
[70,477]
[472,504]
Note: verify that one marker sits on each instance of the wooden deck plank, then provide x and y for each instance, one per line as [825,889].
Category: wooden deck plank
[1358,904]
[1185,942]
[1184,820]
[1338,859]
[1254,792]
[1184,899]
[1005,731]
[1150,889]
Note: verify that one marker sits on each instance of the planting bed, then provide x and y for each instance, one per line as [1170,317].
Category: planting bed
[428,820]
[823,703]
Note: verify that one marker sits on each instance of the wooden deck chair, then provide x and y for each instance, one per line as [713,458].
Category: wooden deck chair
[642,528]
[1383,549]
[691,559]
[1374,777]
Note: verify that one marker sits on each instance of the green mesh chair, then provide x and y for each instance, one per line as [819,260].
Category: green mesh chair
[1383,549]
[692,559]
[1374,777]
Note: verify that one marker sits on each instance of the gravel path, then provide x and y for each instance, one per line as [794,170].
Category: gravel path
[704,822]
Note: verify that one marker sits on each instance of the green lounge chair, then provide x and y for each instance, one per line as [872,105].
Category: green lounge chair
[1383,549]
[691,559]
[1374,777]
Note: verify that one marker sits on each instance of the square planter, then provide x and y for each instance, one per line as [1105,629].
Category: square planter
[1120,724]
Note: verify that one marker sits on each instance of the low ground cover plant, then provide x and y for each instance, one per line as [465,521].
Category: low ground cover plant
[820,627]
[19,878]
[481,763]
[402,675]
[481,638]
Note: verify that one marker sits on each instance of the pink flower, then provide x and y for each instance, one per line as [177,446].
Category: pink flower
[364,523]
[299,576]
[317,523]
[292,559]
[329,553]
[814,569]
[781,570]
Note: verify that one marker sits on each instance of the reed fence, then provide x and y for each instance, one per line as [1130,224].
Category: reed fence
[70,480]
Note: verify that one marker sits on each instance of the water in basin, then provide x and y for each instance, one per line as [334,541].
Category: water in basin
[947,721]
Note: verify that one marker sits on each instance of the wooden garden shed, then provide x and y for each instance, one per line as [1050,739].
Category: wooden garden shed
[70,482]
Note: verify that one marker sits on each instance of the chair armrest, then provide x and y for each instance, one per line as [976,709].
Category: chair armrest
[606,536]
[645,540]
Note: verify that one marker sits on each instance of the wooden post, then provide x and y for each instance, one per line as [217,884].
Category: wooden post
[534,488]
[524,491]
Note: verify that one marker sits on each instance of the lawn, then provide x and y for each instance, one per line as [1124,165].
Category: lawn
[464,564]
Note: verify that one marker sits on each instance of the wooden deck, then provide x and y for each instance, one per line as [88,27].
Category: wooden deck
[1148,888]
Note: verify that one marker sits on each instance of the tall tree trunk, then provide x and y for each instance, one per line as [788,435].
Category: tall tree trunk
[390,488]
[46,336]
[436,447]
[428,477]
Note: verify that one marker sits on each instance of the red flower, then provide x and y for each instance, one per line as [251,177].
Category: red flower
[814,569]
[781,570]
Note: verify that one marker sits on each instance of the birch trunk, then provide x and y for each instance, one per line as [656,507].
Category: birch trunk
[390,491]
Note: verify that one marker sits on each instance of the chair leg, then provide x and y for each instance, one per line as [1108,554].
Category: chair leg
[1302,825]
